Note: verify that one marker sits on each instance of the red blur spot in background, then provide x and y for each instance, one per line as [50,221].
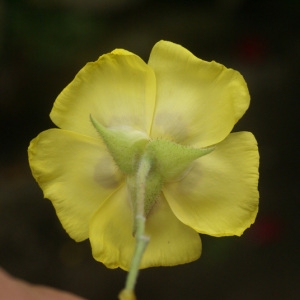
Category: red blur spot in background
[252,48]
[266,230]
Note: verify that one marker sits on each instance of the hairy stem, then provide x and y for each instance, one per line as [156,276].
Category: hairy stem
[141,239]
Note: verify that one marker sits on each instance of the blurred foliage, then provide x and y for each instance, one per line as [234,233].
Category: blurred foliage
[51,37]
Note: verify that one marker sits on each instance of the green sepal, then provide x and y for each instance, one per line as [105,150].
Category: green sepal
[173,159]
[125,145]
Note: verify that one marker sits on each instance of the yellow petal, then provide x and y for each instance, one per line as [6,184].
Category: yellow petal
[198,102]
[171,242]
[76,173]
[118,90]
[219,196]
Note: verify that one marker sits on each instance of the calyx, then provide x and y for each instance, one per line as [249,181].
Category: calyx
[168,159]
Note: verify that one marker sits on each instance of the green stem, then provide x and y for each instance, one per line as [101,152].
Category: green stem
[141,239]
[140,247]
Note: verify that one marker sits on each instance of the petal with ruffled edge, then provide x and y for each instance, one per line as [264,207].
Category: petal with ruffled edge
[118,90]
[76,173]
[219,196]
[198,102]
[171,242]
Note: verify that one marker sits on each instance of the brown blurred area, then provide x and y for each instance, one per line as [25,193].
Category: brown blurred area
[43,44]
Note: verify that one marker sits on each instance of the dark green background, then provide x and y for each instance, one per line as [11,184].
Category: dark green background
[43,44]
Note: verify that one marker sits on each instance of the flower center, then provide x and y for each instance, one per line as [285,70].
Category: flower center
[169,161]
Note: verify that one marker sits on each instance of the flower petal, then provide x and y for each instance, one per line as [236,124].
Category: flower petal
[198,102]
[76,173]
[118,90]
[219,196]
[171,242]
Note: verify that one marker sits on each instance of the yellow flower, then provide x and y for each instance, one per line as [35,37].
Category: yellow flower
[176,101]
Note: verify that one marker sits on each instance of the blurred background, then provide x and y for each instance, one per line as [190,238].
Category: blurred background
[44,43]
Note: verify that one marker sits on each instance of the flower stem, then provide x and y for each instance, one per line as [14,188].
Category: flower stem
[141,239]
